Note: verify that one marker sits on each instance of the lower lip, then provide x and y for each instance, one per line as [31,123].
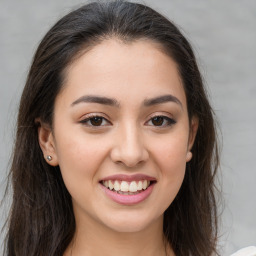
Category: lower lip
[128,199]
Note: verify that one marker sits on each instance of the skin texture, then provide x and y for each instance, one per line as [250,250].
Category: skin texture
[127,142]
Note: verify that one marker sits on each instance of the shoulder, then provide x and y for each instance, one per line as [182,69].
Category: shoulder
[248,251]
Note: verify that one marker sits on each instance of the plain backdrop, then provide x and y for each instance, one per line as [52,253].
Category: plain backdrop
[223,34]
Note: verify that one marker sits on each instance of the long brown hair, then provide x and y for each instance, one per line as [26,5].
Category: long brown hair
[41,219]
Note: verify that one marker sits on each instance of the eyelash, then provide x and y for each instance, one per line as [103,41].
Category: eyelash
[90,118]
[167,120]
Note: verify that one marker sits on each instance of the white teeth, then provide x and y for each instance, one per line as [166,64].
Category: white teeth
[139,187]
[144,184]
[124,186]
[116,186]
[106,183]
[110,185]
[133,187]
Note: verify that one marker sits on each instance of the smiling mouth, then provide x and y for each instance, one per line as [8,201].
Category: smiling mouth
[126,187]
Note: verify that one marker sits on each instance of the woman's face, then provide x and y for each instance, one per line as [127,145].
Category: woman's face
[121,121]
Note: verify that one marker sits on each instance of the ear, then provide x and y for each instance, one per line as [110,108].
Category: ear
[47,143]
[192,135]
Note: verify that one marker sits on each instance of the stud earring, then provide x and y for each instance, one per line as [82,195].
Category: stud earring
[49,158]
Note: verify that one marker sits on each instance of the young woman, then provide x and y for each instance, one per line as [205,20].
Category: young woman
[116,148]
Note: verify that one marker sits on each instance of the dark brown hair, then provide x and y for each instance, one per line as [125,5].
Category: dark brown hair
[41,219]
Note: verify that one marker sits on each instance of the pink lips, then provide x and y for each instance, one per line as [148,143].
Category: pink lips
[128,199]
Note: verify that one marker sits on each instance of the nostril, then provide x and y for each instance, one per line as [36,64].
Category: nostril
[129,164]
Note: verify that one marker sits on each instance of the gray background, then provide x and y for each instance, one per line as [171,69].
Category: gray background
[223,34]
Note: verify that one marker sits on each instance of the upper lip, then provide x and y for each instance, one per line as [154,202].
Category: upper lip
[134,177]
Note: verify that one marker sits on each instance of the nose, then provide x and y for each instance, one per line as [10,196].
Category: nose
[129,148]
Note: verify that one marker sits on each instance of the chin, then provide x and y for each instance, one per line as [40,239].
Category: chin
[129,223]
[127,227]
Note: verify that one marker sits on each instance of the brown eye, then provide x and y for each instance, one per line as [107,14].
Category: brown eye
[96,121]
[157,121]
[161,121]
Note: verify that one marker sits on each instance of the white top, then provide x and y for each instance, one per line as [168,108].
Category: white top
[248,251]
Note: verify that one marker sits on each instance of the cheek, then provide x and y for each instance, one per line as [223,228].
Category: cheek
[79,159]
[171,161]
[170,152]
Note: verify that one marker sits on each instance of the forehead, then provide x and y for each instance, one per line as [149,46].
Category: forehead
[138,68]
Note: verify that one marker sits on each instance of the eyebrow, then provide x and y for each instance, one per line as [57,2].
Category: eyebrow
[115,103]
[162,99]
[96,99]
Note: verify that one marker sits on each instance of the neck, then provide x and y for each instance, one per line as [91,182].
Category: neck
[94,239]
